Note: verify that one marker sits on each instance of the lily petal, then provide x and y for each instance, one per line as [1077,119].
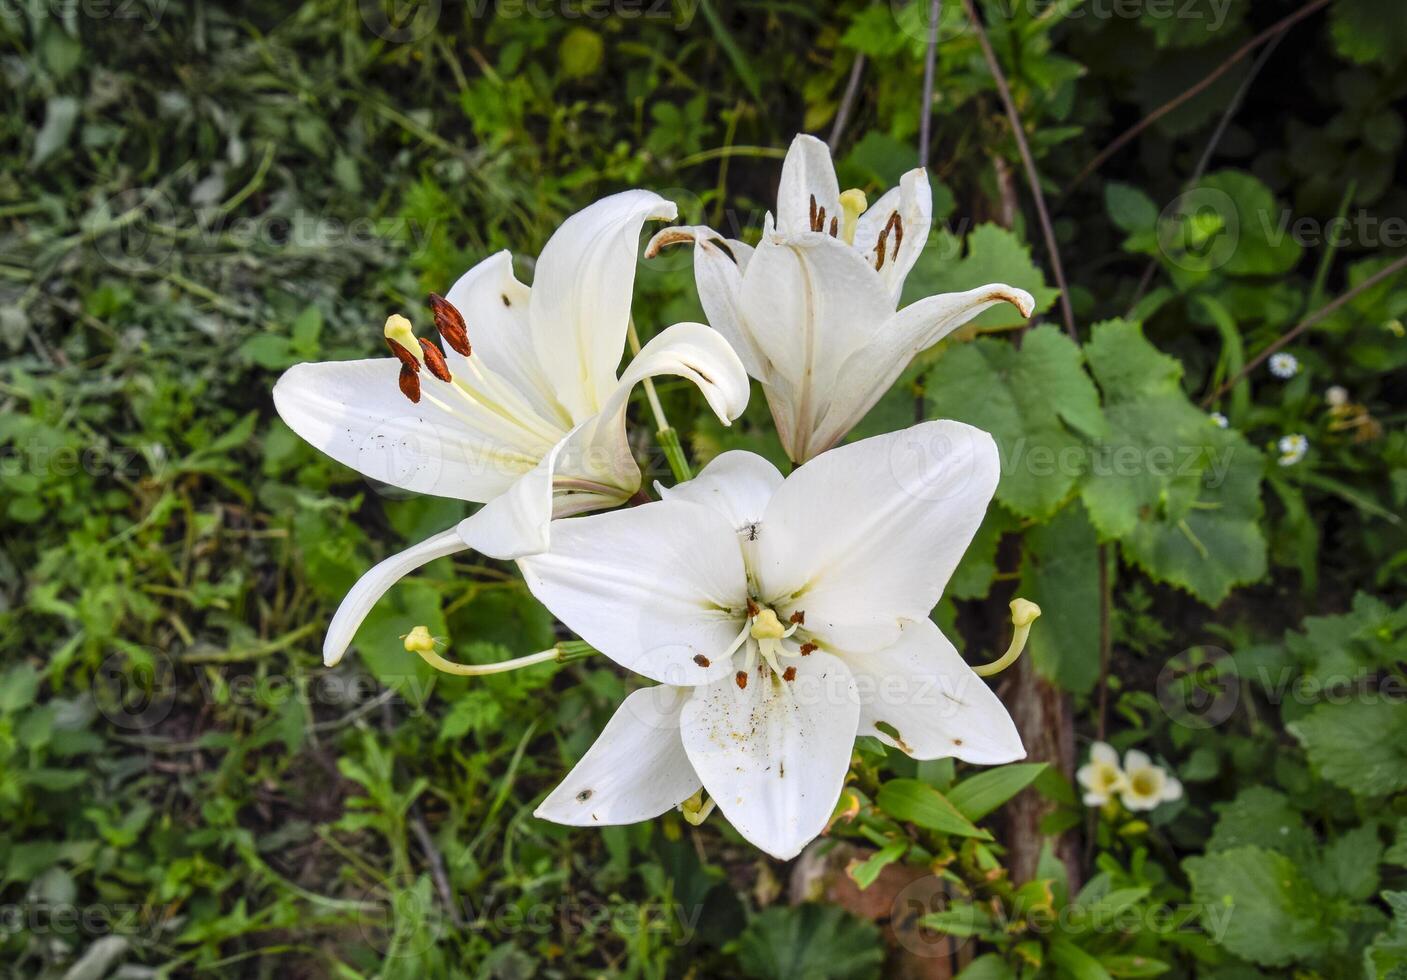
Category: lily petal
[517,522]
[375,584]
[870,371]
[868,534]
[813,292]
[653,588]
[600,450]
[807,172]
[581,296]
[496,305]
[774,755]
[912,201]
[355,412]
[718,276]
[635,770]
[737,484]
[923,690]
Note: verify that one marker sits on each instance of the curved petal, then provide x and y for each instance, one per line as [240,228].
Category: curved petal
[581,296]
[495,306]
[718,276]
[636,769]
[810,303]
[517,521]
[868,534]
[600,453]
[737,484]
[912,201]
[774,755]
[1105,754]
[354,411]
[653,587]
[921,689]
[807,172]
[376,583]
[869,372]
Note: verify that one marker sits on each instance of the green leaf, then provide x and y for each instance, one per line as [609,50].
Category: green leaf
[1030,399]
[916,802]
[1360,745]
[993,255]
[1060,573]
[1259,905]
[1256,223]
[1262,817]
[809,942]
[1348,865]
[1075,962]
[977,796]
[1130,208]
[988,966]
[865,872]
[1368,30]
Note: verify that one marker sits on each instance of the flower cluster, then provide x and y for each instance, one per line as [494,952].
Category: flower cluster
[780,617]
[1138,783]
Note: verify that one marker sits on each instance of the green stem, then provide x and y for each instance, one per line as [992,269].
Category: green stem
[667,437]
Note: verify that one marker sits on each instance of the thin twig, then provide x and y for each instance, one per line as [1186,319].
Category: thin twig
[930,67]
[1033,176]
[437,864]
[1240,53]
[847,102]
[1309,321]
[1105,635]
[1232,107]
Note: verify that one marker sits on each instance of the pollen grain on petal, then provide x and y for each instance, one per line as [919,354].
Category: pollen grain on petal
[807,649]
[789,674]
[435,361]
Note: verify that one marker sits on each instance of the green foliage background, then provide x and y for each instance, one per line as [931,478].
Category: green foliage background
[195,196]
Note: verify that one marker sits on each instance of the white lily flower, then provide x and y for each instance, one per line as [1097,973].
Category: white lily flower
[781,618]
[1101,776]
[1146,785]
[812,309]
[530,420]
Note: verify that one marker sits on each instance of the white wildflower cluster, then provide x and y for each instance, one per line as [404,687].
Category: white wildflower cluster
[780,617]
[1293,448]
[1138,784]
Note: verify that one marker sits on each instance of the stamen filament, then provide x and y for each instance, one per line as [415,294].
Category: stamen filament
[1023,614]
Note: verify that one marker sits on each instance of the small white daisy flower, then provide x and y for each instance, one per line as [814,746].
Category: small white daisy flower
[1147,785]
[1284,366]
[1221,420]
[1292,449]
[1337,396]
[1101,776]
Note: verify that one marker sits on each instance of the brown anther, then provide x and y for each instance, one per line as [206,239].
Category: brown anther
[820,220]
[798,617]
[435,361]
[894,223]
[407,359]
[741,678]
[811,221]
[807,649]
[789,674]
[701,660]
[752,609]
[835,227]
[450,323]
[410,383]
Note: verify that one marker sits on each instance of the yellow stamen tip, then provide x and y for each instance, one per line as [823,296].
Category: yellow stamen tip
[398,329]
[419,640]
[1024,612]
[766,626]
[852,204]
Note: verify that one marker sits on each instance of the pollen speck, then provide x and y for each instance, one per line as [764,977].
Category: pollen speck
[789,674]
[741,678]
[807,649]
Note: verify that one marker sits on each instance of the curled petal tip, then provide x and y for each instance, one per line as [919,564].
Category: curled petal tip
[332,653]
[666,237]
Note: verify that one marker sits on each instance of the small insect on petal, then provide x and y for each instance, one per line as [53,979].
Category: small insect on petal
[741,678]
[701,660]
[807,649]
[450,323]
[435,361]
[410,384]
